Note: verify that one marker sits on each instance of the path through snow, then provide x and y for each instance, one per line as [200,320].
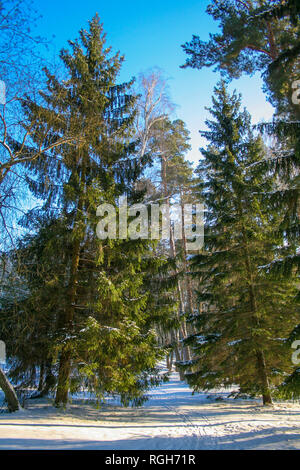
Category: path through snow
[172,419]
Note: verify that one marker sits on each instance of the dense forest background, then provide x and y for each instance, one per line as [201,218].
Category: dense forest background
[77,311]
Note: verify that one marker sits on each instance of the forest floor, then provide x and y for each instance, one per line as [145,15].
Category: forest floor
[173,418]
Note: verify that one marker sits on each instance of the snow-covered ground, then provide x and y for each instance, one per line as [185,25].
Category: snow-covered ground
[172,419]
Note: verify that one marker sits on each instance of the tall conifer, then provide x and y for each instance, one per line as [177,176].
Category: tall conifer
[247,314]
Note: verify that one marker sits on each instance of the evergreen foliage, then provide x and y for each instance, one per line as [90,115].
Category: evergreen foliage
[88,306]
[247,315]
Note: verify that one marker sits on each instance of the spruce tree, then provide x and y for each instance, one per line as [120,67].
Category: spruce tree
[285,162]
[95,291]
[247,314]
[265,36]
[169,143]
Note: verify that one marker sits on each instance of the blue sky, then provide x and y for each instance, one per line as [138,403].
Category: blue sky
[150,33]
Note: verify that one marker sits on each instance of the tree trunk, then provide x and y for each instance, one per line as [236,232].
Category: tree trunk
[188,278]
[261,363]
[9,392]
[63,385]
[169,361]
[61,397]
[177,355]
[185,351]
[272,41]
[66,354]
[42,373]
[49,381]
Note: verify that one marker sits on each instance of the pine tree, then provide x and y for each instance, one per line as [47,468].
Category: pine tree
[169,143]
[253,36]
[241,330]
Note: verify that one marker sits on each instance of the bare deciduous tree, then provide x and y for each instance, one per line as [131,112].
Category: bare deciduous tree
[154,104]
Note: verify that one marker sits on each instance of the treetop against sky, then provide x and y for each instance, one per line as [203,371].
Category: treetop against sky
[150,34]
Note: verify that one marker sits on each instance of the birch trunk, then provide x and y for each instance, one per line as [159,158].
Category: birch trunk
[9,392]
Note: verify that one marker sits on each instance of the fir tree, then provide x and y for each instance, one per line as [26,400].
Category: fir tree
[264,36]
[247,314]
[285,161]
[95,296]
